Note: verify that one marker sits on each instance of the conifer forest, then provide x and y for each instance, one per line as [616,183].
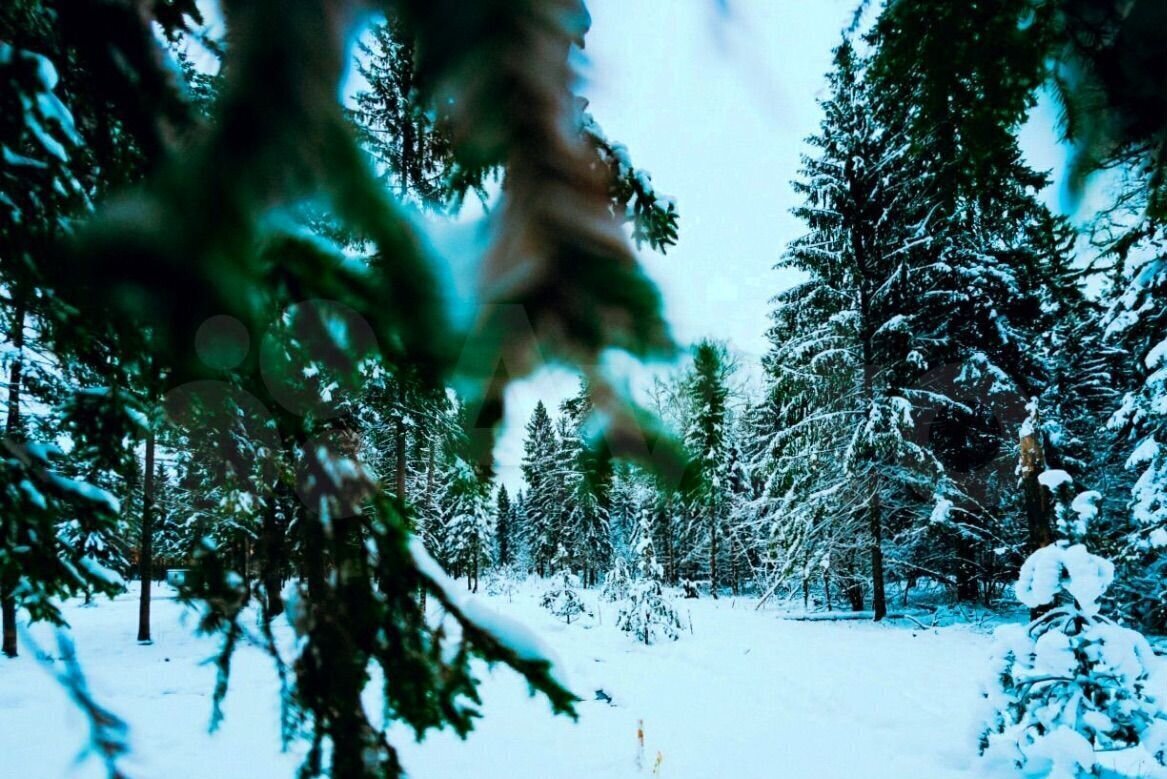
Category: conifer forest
[370,410]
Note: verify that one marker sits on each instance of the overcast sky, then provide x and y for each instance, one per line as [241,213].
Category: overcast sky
[716,107]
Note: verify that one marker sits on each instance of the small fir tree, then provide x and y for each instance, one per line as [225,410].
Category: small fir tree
[648,614]
[561,599]
[617,583]
[1072,683]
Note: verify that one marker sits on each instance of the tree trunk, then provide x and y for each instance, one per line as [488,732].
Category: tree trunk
[670,558]
[399,441]
[733,575]
[878,599]
[247,567]
[1038,508]
[854,594]
[713,550]
[146,558]
[8,614]
[967,589]
[477,565]
[271,554]
[874,509]
[14,431]
[430,471]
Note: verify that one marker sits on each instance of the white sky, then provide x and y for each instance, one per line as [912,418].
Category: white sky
[716,108]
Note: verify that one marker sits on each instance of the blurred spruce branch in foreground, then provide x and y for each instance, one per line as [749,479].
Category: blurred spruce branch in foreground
[212,226]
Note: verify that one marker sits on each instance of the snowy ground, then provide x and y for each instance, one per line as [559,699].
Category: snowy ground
[745,695]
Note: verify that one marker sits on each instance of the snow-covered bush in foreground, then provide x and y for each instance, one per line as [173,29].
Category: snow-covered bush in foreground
[648,614]
[1072,683]
[503,581]
[561,598]
[617,582]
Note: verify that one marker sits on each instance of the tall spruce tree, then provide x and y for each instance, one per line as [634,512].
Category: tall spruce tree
[504,526]
[544,504]
[839,373]
[997,287]
[1138,324]
[409,140]
[706,395]
[587,476]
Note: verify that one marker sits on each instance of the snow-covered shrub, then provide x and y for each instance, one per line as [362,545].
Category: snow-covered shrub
[648,614]
[617,582]
[1072,683]
[561,598]
[503,581]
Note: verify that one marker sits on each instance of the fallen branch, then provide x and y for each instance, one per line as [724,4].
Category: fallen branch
[842,616]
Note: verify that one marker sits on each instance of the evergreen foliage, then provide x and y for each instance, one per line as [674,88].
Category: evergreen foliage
[647,614]
[1072,683]
[561,597]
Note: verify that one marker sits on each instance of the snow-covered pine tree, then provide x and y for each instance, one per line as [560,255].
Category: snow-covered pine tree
[469,529]
[679,532]
[544,504]
[520,535]
[1072,683]
[647,613]
[707,421]
[740,525]
[1087,378]
[996,305]
[617,581]
[427,511]
[1138,322]
[561,597]
[462,500]
[841,458]
[995,292]
[623,512]
[587,478]
[503,529]
[633,493]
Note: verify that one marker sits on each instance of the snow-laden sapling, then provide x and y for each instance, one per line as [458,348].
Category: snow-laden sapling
[503,582]
[617,582]
[561,599]
[648,614]
[1072,684]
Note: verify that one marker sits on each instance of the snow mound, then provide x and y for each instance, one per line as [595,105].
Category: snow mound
[1061,754]
[1085,505]
[1054,478]
[1072,569]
